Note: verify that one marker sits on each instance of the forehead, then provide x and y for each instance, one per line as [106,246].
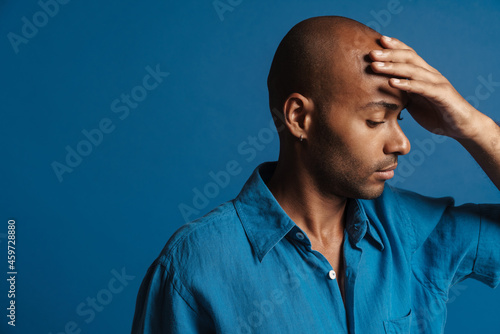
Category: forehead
[353,80]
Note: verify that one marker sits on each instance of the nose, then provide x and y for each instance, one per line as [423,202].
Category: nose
[397,142]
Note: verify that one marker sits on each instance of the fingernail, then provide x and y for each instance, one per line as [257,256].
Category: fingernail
[387,38]
[396,81]
[378,52]
[379,64]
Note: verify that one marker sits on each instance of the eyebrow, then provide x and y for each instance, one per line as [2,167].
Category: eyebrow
[387,105]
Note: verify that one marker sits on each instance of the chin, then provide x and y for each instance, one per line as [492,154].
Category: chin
[371,192]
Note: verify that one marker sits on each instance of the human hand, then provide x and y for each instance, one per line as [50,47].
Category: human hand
[432,101]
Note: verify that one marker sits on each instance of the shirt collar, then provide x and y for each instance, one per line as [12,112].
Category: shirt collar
[266,223]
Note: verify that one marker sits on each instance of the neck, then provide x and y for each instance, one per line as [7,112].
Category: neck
[322,217]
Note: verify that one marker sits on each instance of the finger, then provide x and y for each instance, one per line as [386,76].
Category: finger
[409,71]
[393,43]
[401,56]
[426,89]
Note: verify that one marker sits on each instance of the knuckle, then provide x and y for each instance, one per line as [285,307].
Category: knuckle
[447,88]
[438,88]
[410,86]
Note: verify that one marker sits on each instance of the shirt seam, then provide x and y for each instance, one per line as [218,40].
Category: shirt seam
[480,273]
[167,258]
[422,284]
[404,215]
[168,254]
[173,282]
[180,294]
[478,240]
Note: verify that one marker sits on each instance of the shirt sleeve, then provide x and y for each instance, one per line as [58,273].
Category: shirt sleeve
[165,306]
[487,263]
[452,243]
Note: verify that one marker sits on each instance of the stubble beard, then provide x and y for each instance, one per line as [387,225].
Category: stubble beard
[335,170]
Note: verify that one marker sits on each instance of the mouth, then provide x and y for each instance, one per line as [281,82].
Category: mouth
[386,173]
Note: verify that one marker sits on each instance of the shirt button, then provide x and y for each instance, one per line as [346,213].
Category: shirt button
[300,235]
[332,274]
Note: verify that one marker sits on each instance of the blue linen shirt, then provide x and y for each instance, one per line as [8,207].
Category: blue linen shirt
[246,267]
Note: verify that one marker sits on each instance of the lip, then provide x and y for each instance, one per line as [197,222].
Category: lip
[388,169]
[386,173]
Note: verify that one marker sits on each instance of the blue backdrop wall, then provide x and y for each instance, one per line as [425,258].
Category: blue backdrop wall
[115,114]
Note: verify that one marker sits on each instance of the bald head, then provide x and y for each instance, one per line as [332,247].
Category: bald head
[313,56]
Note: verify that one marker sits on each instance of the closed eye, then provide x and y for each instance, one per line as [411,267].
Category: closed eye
[373,124]
[399,117]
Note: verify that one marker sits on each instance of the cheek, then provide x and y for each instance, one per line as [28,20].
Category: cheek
[362,142]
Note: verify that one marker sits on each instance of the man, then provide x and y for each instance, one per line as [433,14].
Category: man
[315,243]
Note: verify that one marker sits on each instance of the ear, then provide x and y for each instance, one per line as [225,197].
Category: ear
[297,112]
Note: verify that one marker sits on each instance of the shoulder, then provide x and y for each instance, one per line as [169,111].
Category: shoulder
[410,205]
[406,215]
[204,242]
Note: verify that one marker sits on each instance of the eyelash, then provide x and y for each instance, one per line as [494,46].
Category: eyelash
[374,124]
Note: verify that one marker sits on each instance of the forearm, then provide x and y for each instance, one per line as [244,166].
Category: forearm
[485,148]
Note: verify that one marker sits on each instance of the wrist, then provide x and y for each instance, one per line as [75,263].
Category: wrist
[481,131]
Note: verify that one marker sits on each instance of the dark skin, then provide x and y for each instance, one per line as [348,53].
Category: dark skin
[350,147]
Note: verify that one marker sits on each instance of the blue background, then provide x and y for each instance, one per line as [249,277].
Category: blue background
[120,204]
